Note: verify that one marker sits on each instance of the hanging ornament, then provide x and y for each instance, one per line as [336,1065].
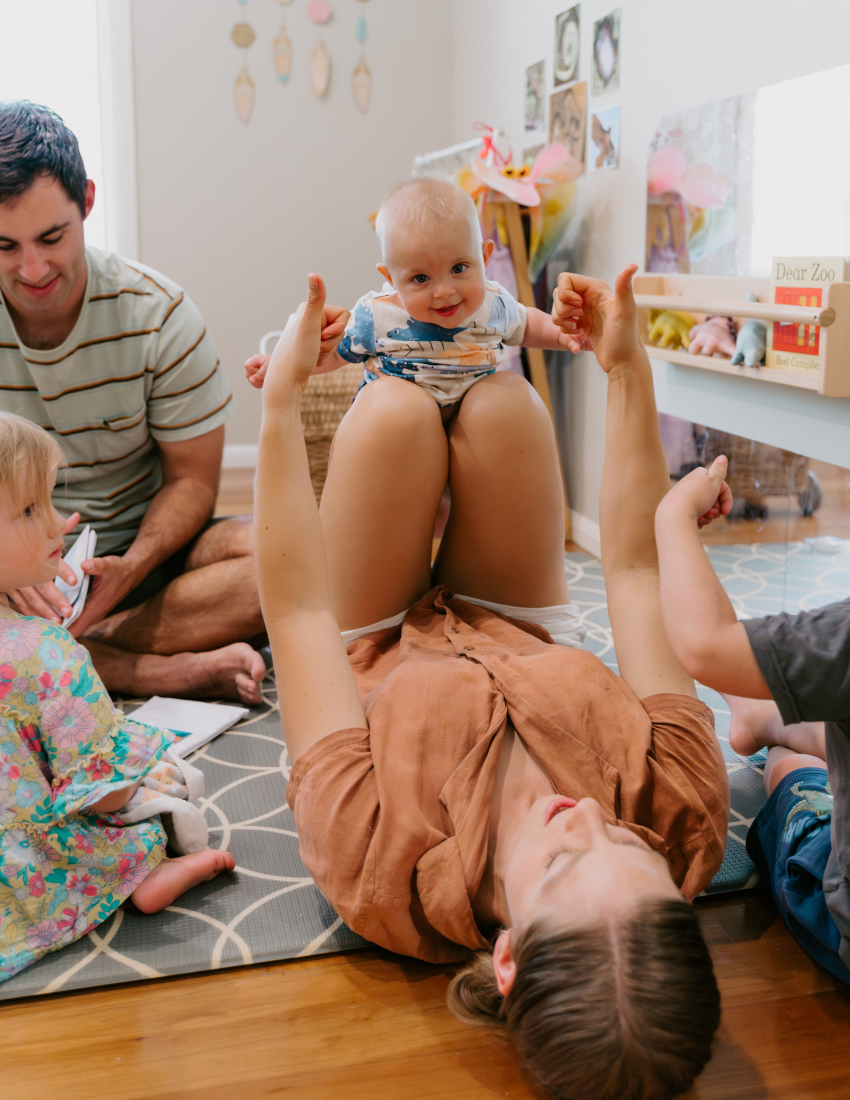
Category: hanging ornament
[282,56]
[243,35]
[244,96]
[361,83]
[284,1]
[319,11]
[320,70]
[361,32]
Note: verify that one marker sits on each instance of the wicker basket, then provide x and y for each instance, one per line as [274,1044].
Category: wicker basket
[325,402]
[755,469]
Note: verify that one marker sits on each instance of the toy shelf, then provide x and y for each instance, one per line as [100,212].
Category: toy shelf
[704,295]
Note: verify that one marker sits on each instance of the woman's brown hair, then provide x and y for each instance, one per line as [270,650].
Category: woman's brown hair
[621,1011]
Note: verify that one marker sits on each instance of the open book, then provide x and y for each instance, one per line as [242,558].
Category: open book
[81,551]
[194,723]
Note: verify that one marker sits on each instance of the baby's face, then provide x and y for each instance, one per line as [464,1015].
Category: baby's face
[439,278]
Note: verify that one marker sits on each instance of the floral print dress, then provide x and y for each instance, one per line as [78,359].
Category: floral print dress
[63,747]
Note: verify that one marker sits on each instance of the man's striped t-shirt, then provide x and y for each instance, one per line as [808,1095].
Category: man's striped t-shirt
[138,367]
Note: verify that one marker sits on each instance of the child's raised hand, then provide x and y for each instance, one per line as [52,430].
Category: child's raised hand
[596,318]
[255,370]
[702,495]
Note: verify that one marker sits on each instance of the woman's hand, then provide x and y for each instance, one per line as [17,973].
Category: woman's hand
[702,495]
[598,319]
[311,333]
[334,320]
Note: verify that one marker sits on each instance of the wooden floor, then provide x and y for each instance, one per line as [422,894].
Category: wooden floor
[371,1025]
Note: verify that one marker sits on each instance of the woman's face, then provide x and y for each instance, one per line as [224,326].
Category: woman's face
[568,864]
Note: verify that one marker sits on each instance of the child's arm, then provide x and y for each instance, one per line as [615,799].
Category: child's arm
[329,359]
[698,616]
[542,332]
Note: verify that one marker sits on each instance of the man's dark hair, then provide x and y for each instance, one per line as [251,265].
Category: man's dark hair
[34,141]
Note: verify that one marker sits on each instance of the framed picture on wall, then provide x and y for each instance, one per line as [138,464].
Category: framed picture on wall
[567,115]
[535,96]
[605,67]
[604,136]
[567,41]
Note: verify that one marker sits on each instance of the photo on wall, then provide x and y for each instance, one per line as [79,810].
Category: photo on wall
[535,96]
[605,67]
[567,118]
[567,42]
[604,139]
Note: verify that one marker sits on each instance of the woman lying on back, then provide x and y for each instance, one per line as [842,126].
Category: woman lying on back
[461,783]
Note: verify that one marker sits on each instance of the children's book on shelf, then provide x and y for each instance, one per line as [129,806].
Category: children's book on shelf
[76,594]
[799,281]
[194,723]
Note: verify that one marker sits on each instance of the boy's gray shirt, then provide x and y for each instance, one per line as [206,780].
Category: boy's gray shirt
[805,660]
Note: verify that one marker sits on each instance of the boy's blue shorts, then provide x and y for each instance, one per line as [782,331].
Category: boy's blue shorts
[789,842]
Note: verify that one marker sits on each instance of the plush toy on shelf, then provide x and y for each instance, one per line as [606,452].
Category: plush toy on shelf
[712,335]
[752,341]
[669,328]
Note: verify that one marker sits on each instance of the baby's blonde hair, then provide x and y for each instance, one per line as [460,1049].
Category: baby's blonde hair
[425,205]
[26,447]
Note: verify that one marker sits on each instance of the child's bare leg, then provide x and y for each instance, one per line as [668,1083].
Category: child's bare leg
[782,761]
[173,877]
[756,724]
[386,477]
[504,540]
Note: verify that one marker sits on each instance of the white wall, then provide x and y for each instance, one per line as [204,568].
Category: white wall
[673,55]
[238,215]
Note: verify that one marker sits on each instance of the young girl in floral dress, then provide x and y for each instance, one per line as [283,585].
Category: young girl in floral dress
[68,760]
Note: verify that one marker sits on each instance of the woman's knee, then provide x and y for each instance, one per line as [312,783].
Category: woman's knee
[393,412]
[502,406]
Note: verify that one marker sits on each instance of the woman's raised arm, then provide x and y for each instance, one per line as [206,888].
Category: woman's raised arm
[316,687]
[634,479]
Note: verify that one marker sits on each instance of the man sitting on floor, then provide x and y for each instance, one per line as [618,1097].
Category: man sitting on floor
[115,359]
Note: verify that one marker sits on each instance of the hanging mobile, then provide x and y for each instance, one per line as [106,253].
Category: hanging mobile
[320,70]
[319,11]
[361,79]
[283,55]
[244,92]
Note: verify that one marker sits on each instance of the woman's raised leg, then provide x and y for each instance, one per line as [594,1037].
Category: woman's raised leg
[387,473]
[504,540]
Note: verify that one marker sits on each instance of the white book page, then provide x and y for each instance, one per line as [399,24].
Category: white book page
[195,723]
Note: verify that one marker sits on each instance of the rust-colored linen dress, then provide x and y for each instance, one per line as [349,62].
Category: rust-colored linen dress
[393,820]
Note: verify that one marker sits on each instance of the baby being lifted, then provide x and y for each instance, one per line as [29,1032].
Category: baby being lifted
[438,322]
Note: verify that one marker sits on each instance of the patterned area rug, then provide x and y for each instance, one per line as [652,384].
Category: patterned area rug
[270,909]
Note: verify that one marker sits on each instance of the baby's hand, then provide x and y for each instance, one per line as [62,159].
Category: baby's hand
[255,370]
[702,495]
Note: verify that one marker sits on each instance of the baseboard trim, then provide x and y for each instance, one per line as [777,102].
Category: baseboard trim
[240,456]
[585,533]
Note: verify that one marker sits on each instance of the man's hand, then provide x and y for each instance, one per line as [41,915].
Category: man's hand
[334,320]
[598,319]
[701,496]
[45,600]
[112,578]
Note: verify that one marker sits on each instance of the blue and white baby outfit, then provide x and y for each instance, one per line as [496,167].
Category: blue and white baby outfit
[444,361]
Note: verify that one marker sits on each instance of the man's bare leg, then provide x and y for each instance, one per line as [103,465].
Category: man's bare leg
[757,724]
[214,603]
[230,672]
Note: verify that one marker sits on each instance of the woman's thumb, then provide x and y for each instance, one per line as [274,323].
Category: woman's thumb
[315,292]
[719,467]
[623,284]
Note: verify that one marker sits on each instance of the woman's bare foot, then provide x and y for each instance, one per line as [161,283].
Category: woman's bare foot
[232,672]
[756,724]
[173,877]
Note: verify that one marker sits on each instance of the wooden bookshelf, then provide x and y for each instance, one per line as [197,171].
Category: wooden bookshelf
[704,295]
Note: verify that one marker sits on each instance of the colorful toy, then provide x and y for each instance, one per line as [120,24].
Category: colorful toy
[711,335]
[752,341]
[669,328]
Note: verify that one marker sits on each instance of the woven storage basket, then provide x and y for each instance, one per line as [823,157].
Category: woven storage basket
[325,402]
[755,469]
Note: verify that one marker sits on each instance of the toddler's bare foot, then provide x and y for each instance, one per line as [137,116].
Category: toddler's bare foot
[756,724]
[173,877]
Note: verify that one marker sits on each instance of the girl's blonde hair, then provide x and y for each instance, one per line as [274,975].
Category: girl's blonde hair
[26,447]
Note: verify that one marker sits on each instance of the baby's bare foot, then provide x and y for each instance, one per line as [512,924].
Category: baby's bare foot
[173,877]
